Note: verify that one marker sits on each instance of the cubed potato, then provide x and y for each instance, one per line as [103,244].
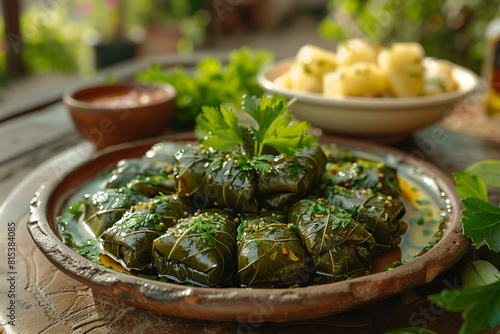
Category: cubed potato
[311,62]
[402,63]
[356,50]
[302,79]
[316,60]
[283,81]
[438,77]
[358,79]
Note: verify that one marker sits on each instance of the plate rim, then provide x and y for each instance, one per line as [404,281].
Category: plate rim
[246,305]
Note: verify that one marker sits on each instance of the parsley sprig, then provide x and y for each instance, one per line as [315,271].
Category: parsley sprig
[481,221]
[211,82]
[219,128]
[480,305]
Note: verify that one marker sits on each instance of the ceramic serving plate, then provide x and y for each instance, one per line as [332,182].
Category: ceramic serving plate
[434,189]
[386,119]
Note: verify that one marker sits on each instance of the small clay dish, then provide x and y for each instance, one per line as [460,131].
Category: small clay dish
[113,114]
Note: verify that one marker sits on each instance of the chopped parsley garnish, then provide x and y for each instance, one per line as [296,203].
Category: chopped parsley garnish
[203,224]
[148,276]
[76,209]
[396,264]
[320,209]
[294,169]
[143,219]
[88,254]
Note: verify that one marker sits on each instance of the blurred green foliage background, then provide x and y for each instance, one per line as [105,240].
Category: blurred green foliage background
[448,29]
[58,35]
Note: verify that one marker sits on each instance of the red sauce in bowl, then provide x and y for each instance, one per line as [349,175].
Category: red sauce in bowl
[129,99]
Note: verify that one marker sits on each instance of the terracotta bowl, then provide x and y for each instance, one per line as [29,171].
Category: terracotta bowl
[146,112]
[246,305]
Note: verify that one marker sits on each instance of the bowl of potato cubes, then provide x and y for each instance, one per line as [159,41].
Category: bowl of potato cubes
[364,90]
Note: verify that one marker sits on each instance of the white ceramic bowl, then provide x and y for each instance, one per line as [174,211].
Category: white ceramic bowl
[385,119]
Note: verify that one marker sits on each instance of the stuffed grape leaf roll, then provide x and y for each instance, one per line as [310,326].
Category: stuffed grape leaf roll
[237,182]
[364,174]
[214,179]
[154,185]
[340,247]
[104,208]
[270,252]
[288,179]
[159,160]
[163,151]
[128,169]
[380,215]
[130,239]
[200,249]
[337,154]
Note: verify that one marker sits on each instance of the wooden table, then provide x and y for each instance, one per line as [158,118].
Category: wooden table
[48,301]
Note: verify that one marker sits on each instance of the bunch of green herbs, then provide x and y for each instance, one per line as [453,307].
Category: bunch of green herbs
[212,83]
[480,305]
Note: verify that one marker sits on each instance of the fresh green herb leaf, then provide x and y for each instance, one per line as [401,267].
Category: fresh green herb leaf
[263,166]
[76,209]
[434,240]
[481,222]
[244,162]
[470,185]
[92,256]
[488,170]
[273,125]
[480,306]
[422,201]
[216,164]
[420,221]
[336,223]
[396,264]
[345,222]
[211,83]
[294,169]
[266,157]
[111,267]
[148,276]
[479,273]
[218,128]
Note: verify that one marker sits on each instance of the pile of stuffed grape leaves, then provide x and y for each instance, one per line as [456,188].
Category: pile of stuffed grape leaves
[255,205]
